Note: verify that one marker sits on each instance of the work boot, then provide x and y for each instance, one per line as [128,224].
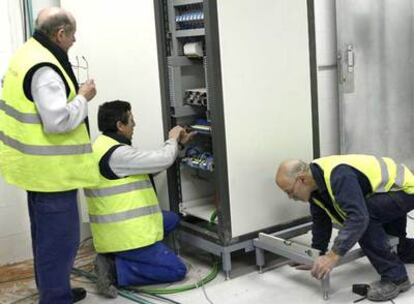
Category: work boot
[105,276]
[78,294]
[385,290]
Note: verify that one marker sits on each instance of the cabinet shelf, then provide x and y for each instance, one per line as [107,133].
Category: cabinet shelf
[186,2]
[204,212]
[180,61]
[190,33]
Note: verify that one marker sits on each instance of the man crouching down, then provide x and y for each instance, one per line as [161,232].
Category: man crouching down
[368,197]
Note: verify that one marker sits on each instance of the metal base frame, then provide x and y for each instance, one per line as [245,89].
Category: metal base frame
[219,250]
[279,243]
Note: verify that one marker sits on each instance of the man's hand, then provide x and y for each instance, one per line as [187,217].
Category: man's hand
[88,89]
[324,264]
[186,136]
[175,133]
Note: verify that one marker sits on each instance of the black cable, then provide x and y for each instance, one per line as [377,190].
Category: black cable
[159,297]
[123,291]
[360,299]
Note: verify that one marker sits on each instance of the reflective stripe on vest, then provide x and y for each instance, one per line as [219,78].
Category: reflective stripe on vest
[138,185]
[34,118]
[45,150]
[383,174]
[31,158]
[400,179]
[126,215]
[332,217]
[30,118]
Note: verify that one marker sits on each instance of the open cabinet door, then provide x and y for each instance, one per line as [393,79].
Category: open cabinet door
[375,64]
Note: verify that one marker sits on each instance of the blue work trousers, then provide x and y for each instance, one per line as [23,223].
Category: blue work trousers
[388,215]
[54,223]
[153,264]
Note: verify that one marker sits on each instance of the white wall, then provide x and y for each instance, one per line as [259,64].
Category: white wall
[39,4]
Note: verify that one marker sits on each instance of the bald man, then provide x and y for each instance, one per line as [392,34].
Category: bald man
[45,148]
[368,197]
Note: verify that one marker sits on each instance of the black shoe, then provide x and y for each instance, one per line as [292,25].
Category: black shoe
[78,294]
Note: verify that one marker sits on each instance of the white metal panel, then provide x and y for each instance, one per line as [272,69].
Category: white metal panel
[267,105]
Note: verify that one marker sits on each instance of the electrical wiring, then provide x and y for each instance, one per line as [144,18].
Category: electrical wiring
[126,293]
[203,288]
[213,217]
[160,298]
[211,276]
[162,291]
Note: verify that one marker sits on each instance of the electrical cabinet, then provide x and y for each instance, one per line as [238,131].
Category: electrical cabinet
[242,74]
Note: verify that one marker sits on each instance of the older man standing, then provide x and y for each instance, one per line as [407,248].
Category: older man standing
[45,147]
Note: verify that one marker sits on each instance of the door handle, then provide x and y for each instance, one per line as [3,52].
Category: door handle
[350,58]
[346,68]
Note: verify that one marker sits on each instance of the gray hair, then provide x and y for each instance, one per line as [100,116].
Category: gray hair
[50,25]
[298,167]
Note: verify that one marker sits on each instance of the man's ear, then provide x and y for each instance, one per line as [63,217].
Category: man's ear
[302,176]
[119,125]
[59,35]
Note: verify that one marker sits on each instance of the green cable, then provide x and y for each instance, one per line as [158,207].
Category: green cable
[154,291]
[211,276]
[213,217]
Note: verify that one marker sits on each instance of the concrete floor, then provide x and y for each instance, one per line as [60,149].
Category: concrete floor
[280,285]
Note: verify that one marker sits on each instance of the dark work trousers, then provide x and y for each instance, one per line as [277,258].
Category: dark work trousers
[153,264]
[54,223]
[388,215]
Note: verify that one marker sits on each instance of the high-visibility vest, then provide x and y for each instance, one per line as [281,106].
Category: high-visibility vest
[124,213]
[29,157]
[383,173]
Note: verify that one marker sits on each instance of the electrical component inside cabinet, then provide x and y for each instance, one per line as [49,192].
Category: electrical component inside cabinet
[189,106]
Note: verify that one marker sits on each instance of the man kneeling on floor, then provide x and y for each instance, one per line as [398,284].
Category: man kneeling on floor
[127,223]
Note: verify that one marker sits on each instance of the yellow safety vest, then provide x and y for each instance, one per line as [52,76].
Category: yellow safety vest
[30,158]
[383,173]
[124,213]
